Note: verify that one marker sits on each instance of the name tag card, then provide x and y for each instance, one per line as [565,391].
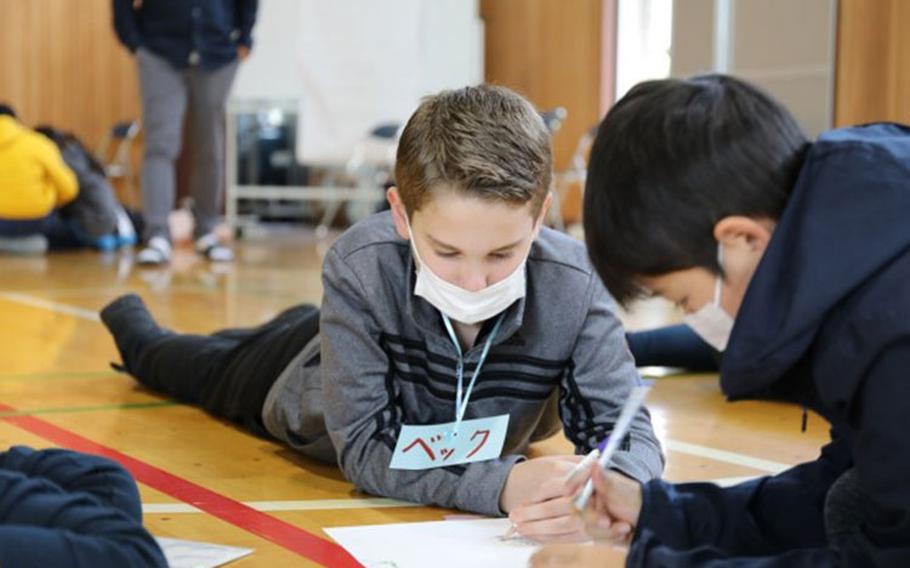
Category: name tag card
[435,445]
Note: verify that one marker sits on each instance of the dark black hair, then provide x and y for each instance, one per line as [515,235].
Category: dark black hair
[6,110]
[672,158]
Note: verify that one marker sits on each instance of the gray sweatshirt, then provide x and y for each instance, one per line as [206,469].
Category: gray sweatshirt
[383,359]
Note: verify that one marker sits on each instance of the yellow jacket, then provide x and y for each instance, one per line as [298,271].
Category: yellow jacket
[34,180]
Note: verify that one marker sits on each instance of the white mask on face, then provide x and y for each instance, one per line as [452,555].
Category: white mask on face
[463,305]
[711,322]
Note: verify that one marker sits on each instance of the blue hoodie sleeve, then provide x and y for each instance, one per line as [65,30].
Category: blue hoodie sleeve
[774,521]
[125,24]
[246,17]
[104,479]
[649,552]
[63,509]
[881,451]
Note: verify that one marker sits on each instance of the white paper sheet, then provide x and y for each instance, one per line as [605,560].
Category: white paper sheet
[440,544]
[192,554]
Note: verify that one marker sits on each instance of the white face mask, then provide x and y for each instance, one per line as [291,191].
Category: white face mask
[463,305]
[711,322]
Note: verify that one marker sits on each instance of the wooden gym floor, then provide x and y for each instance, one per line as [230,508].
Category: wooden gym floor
[202,479]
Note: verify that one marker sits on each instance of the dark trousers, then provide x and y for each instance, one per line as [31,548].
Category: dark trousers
[673,346]
[60,233]
[228,373]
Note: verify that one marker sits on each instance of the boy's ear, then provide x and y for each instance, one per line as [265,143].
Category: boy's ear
[399,213]
[741,231]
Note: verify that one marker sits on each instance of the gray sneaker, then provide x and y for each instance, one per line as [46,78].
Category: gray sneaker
[213,249]
[30,245]
[157,251]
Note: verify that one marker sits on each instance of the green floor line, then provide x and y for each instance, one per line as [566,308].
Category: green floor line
[97,408]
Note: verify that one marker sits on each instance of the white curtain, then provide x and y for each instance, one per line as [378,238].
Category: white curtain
[364,62]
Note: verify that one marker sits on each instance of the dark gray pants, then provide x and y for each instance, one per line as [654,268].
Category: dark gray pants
[228,373]
[167,94]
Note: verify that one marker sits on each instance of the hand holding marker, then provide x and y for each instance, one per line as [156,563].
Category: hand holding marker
[580,467]
[605,448]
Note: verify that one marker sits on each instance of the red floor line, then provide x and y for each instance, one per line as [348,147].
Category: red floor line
[266,526]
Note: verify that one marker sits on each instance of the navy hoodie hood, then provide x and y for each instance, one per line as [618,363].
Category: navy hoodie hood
[848,217]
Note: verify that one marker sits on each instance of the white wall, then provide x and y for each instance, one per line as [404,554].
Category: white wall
[271,70]
[348,64]
[643,42]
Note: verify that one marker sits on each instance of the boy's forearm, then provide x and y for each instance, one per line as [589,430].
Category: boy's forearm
[99,477]
[760,515]
[643,460]
[648,551]
[601,378]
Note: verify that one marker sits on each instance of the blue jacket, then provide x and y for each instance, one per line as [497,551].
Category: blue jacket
[64,509]
[825,323]
[175,29]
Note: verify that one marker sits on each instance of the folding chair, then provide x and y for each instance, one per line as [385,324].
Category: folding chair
[553,119]
[114,154]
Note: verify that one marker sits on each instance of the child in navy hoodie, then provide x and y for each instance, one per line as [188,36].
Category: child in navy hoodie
[65,509]
[793,259]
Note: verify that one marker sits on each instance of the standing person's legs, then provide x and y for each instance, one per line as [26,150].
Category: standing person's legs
[228,373]
[208,92]
[164,101]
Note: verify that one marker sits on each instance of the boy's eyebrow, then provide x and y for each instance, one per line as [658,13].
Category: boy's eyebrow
[508,246]
[441,244]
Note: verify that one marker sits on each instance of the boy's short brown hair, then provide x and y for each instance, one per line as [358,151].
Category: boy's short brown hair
[486,141]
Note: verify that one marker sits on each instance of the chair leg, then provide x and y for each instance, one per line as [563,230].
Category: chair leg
[331,211]
[555,214]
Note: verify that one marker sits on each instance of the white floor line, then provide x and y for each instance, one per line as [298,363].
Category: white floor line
[50,305]
[726,457]
[80,291]
[306,505]
[728,481]
[336,504]
[673,445]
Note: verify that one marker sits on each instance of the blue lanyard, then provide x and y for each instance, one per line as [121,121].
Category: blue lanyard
[462,404]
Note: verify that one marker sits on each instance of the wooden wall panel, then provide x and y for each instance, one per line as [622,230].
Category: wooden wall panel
[551,52]
[548,50]
[62,64]
[873,62]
